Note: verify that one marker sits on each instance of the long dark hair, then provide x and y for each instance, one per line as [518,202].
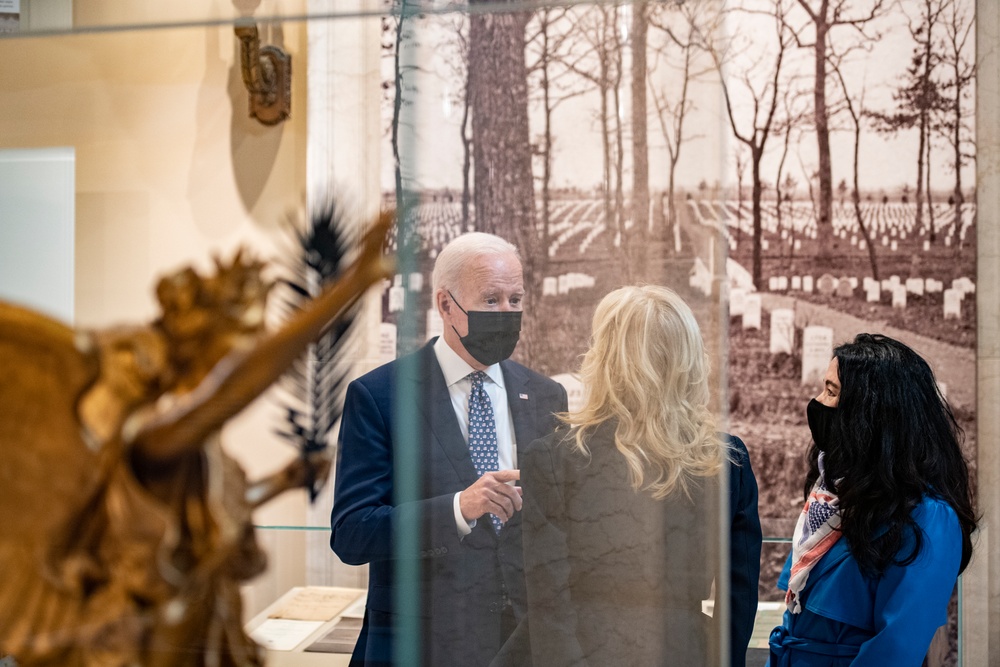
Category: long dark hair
[893,439]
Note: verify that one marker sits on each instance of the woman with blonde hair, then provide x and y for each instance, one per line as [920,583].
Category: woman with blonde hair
[621,508]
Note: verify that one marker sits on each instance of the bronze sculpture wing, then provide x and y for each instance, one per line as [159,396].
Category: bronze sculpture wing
[45,464]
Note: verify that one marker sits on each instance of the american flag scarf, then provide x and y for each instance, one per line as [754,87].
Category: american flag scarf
[817,529]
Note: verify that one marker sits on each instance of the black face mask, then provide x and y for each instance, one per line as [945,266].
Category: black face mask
[492,336]
[820,420]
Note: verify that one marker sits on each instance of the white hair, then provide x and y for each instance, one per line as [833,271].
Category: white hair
[460,251]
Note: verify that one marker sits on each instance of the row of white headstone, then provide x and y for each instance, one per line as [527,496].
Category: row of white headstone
[592,235]
[817,350]
[953,297]
[844,287]
[397,293]
[701,277]
[566,283]
[438,234]
[884,223]
[892,244]
[551,286]
[567,233]
[879,218]
[748,308]
[817,346]
[388,334]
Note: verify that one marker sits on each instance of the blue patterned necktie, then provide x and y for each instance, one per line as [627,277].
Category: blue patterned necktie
[483,433]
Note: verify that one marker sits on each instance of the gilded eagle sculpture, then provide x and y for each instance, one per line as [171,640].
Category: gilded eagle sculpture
[126,529]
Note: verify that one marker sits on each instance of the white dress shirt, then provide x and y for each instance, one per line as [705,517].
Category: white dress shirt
[456,378]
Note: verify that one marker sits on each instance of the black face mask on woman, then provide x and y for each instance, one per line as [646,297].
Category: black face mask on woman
[493,334]
[820,419]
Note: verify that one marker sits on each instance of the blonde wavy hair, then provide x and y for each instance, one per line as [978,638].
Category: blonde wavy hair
[647,368]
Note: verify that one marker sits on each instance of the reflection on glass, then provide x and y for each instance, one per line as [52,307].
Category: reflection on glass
[660,143]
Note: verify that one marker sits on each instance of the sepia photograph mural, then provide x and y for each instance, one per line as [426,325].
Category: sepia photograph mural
[800,171]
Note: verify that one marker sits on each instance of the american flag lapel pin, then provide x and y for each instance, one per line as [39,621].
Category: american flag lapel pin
[523,397]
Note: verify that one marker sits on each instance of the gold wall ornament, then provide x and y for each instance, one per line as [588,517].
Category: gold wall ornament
[267,75]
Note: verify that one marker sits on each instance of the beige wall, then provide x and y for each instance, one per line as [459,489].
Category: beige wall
[982,581]
[168,165]
[169,171]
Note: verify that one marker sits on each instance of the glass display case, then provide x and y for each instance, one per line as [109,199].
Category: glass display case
[692,145]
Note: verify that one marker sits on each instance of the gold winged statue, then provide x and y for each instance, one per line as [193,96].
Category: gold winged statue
[126,531]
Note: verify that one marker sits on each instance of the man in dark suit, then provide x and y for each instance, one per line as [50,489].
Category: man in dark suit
[411,462]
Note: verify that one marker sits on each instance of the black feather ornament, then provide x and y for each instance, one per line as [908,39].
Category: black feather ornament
[312,391]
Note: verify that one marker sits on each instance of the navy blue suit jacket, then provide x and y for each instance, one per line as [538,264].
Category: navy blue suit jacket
[465,585]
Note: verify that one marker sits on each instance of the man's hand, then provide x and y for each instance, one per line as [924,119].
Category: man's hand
[492,495]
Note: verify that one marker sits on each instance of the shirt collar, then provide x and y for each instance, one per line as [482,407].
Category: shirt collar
[456,369]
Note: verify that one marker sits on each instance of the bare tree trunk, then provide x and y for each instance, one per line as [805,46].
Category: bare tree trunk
[602,40]
[674,142]
[619,173]
[640,141]
[546,143]
[406,200]
[758,189]
[756,137]
[856,115]
[741,167]
[824,224]
[397,104]
[957,144]
[927,176]
[606,147]
[466,155]
[503,184]
[603,85]
[921,151]
[779,217]
[616,61]
[959,27]
[824,18]
[551,62]
[924,110]
[957,135]
[856,198]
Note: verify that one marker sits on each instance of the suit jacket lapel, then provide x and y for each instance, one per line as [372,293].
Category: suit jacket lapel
[521,406]
[439,415]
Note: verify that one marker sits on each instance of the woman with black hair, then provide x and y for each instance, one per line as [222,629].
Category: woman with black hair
[887,523]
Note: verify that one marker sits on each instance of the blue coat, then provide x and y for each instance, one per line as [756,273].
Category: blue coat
[466,587]
[852,619]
